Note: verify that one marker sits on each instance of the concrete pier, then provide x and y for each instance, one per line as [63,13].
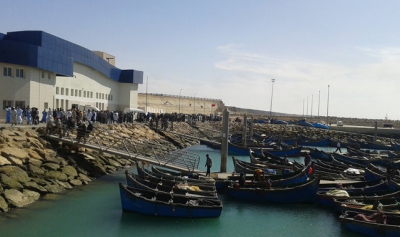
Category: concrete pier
[381,132]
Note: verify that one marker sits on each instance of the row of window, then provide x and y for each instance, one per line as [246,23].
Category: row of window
[86,94]
[19,72]
[20,104]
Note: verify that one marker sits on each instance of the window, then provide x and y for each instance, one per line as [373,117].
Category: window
[72,92]
[91,94]
[84,94]
[57,103]
[80,93]
[46,105]
[62,91]
[19,73]
[66,104]
[20,104]
[66,91]
[76,92]
[97,95]
[102,96]
[42,74]
[7,72]
[49,76]
[7,103]
[111,97]
[57,91]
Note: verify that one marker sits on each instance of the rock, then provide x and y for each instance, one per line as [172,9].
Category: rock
[114,163]
[35,169]
[75,182]
[15,173]
[10,183]
[30,134]
[83,177]
[51,166]
[15,161]
[56,175]
[35,162]
[18,199]
[14,152]
[66,185]
[3,205]
[34,187]
[54,188]
[34,155]
[69,171]
[4,161]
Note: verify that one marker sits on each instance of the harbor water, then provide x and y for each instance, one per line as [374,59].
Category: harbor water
[95,210]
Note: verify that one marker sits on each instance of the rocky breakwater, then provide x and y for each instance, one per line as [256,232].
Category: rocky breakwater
[31,167]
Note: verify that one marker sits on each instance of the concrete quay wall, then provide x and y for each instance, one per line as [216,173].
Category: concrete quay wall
[381,132]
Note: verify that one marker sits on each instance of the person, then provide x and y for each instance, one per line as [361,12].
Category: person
[257,175]
[307,160]
[19,115]
[286,159]
[13,117]
[81,132]
[338,147]
[242,180]
[8,114]
[311,169]
[208,165]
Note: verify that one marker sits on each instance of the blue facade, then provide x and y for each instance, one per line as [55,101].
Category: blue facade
[45,51]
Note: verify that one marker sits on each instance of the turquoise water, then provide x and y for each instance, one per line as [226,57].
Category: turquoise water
[95,210]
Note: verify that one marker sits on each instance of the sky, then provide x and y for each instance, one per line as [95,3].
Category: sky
[347,51]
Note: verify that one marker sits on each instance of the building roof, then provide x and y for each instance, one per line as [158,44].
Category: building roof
[48,52]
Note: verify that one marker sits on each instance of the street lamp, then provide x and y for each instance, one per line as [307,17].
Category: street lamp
[180,101]
[194,103]
[319,97]
[204,106]
[327,108]
[272,94]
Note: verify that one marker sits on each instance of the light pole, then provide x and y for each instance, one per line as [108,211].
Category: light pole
[194,103]
[180,101]
[312,102]
[319,97]
[147,86]
[204,106]
[303,108]
[307,108]
[327,108]
[272,94]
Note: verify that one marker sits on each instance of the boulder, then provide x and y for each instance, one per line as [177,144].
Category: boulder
[15,173]
[51,166]
[58,175]
[3,205]
[4,161]
[34,155]
[36,169]
[54,188]
[14,152]
[114,163]
[65,185]
[10,183]
[34,187]
[83,177]
[20,199]
[35,162]
[15,161]
[69,171]
[75,182]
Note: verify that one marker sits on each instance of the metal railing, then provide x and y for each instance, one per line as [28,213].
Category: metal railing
[111,141]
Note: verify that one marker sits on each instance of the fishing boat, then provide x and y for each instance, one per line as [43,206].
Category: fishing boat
[189,177]
[326,197]
[392,209]
[358,160]
[133,180]
[376,225]
[320,125]
[298,193]
[303,122]
[319,154]
[165,204]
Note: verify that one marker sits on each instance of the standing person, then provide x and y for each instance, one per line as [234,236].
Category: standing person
[338,147]
[19,115]
[28,114]
[208,164]
[242,180]
[8,114]
[307,160]
[13,117]
[44,115]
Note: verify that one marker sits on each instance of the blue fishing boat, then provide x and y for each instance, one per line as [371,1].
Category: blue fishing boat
[299,193]
[278,121]
[291,152]
[319,154]
[358,160]
[320,125]
[375,225]
[166,204]
[303,122]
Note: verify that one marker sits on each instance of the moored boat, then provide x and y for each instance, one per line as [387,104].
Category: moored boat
[161,204]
